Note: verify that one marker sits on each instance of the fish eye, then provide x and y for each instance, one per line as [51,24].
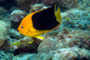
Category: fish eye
[22,27]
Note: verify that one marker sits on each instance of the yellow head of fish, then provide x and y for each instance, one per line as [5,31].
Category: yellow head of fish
[23,28]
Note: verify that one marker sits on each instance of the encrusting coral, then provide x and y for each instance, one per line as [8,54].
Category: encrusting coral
[26,45]
[37,7]
[25,4]
[1,42]
[71,54]
[76,20]
[2,29]
[68,3]
[16,17]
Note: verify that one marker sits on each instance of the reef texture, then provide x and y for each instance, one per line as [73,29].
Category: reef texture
[37,7]
[68,3]
[70,41]
[73,53]
[1,42]
[2,29]
[16,17]
[75,18]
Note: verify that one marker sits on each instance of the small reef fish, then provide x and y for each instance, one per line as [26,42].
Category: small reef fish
[67,18]
[40,22]
[19,43]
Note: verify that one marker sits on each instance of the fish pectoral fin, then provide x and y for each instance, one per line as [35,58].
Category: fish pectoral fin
[39,37]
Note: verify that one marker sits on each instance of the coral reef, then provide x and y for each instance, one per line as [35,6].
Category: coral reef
[47,45]
[27,47]
[48,2]
[70,41]
[83,5]
[76,20]
[71,54]
[14,34]
[2,29]
[6,45]
[69,38]
[4,16]
[1,42]
[25,4]
[16,17]
[37,7]
[68,3]
[6,55]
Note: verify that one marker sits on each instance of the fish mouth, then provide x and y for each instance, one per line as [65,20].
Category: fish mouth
[18,30]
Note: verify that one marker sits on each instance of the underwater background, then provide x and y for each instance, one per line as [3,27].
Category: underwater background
[70,41]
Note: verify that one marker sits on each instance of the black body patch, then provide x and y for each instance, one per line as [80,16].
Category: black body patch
[45,19]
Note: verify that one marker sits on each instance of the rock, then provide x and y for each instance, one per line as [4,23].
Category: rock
[2,29]
[1,42]
[37,7]
[16,17]
[71,54]
[47,45]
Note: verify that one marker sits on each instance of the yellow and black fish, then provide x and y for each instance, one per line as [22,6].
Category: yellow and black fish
[40,22]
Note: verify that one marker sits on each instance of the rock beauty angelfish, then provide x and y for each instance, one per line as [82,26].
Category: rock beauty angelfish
[40,22]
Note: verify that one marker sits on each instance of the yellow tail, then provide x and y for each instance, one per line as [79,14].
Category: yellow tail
[57,13]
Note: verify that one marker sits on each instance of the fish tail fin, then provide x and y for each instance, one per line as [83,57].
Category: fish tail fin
[57,13]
